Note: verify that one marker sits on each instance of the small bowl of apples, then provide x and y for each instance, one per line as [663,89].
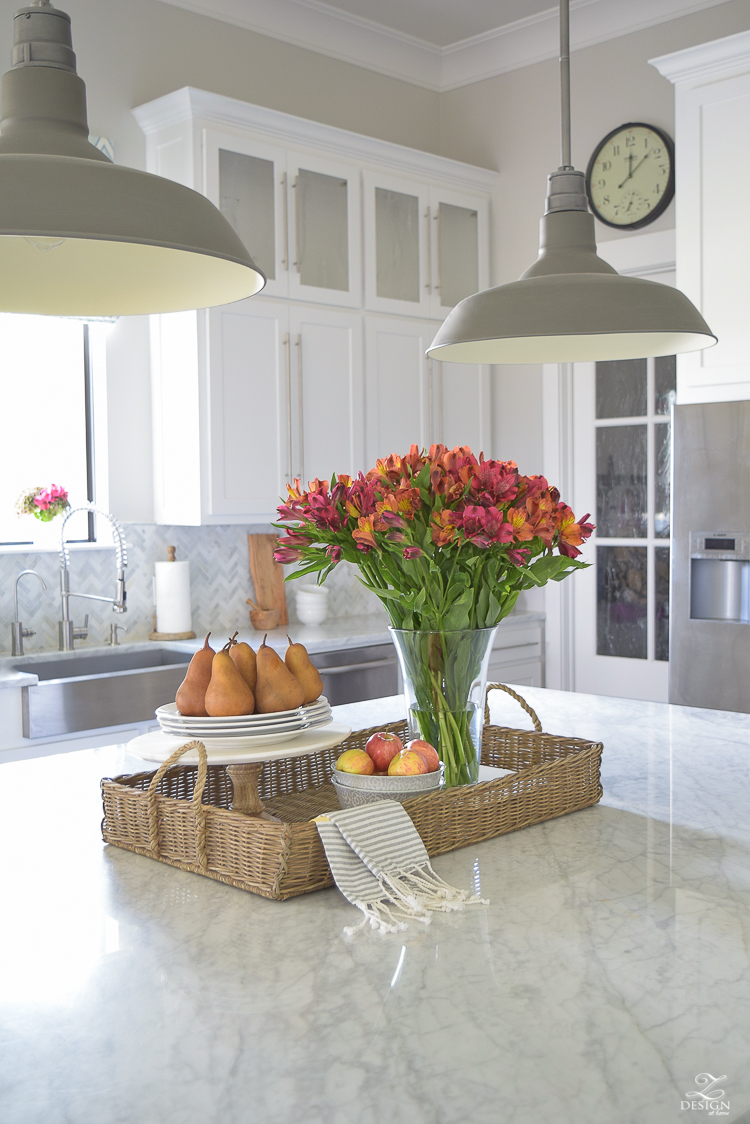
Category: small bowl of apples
[386,769]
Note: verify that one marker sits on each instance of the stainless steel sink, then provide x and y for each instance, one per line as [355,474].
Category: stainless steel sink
[86,692]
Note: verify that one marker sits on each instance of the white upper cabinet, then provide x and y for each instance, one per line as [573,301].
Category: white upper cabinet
[712,224]
[366,247]
[426,247]
[297,214]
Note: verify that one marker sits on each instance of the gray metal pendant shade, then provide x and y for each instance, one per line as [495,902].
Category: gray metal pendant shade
[79,235]
[570,306]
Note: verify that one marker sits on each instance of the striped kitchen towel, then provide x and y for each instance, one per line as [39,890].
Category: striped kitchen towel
[381,866]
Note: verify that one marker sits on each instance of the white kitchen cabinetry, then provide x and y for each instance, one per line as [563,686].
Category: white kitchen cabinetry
[411,399]
[246,397]
[518,654]
[298,215]
[426,248]
[366,246]
[712,123]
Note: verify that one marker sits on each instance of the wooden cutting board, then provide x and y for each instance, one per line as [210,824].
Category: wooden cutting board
[267,575]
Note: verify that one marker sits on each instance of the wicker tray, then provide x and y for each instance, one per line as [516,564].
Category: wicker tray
[181,815]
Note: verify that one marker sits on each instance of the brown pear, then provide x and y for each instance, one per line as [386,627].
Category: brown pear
[243,657]
[227,693]
[191,693]
[278,688]
[303,669]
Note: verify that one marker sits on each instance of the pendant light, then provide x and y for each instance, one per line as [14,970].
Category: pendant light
[570,306]
[79,235]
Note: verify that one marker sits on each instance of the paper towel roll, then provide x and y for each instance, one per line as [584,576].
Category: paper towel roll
[172,597]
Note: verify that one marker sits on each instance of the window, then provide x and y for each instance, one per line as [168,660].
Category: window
[47,390]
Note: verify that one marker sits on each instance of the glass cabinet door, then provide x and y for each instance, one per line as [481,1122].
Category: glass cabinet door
[324,225]
[397,223]
[248,183]
[460,255]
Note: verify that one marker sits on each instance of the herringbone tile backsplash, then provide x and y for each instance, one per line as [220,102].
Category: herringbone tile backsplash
[220,582]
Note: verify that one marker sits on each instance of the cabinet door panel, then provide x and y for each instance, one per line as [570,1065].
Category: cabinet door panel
[397,386]
[324,221]
[461,405]
[460,248]
[397,234]
[248,408]
[246,180]
[327,418]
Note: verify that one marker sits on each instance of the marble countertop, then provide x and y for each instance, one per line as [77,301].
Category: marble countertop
[609,971]
[330,636]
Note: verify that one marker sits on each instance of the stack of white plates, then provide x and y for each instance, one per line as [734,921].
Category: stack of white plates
[282,725]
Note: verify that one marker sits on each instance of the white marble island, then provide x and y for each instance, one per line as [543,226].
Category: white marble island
[609,971]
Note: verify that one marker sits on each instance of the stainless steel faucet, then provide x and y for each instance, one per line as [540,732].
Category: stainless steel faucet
[18,632]
[69,632]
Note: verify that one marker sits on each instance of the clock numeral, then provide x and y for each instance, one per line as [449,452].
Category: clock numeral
[601,183]
[605,200]
[629,142]
[615,150]
[656,152]
[606,165]
[657,189]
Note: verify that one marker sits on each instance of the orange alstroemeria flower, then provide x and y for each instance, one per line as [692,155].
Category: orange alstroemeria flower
[443,527]
[365,532]
[522,528]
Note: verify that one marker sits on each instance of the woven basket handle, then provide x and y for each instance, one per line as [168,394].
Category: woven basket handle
[196,802]
[513,695]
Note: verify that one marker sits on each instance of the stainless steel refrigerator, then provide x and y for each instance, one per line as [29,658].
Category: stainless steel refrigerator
[709,616]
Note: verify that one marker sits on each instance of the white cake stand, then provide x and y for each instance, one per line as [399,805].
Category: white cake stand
[245,764]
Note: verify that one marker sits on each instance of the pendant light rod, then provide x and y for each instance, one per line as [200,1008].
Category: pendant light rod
[565,83]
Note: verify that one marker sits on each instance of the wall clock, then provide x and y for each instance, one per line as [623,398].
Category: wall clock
[630,177]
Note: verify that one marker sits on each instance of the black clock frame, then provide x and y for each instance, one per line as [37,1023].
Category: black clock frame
[665,200]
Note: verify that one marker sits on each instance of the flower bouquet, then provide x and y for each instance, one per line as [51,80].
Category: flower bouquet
[447,541]
[43,503]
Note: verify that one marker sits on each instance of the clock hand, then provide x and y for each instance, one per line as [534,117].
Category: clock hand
[635,169]
[630,171]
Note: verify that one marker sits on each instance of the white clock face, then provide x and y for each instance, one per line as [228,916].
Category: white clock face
[630,177]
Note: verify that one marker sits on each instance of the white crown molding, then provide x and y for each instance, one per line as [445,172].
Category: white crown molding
[318,27]
[190,104]
[722,56]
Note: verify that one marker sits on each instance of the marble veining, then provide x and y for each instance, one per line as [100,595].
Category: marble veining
[609,970]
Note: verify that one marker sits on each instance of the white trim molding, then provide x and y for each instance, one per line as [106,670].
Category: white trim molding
[192,105]
[329,31]
[724,57]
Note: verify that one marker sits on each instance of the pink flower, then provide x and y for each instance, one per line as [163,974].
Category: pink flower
[334,552]
[43,499]
[285,556]
[412,552]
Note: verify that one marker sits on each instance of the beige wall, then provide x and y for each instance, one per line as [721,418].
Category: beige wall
[511,123]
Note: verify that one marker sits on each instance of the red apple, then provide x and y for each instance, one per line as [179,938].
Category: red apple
[428,752]
[355,761]
[383,747]
[408,764]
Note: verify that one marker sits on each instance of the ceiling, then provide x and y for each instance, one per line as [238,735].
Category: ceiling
[440,44]
[442,22]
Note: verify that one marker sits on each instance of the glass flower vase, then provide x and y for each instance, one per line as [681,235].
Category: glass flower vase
[445,680]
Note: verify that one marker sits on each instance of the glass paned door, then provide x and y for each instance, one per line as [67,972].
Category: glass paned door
[622,473]
[247,180]
[324,225]
[397,248]
[459,256]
